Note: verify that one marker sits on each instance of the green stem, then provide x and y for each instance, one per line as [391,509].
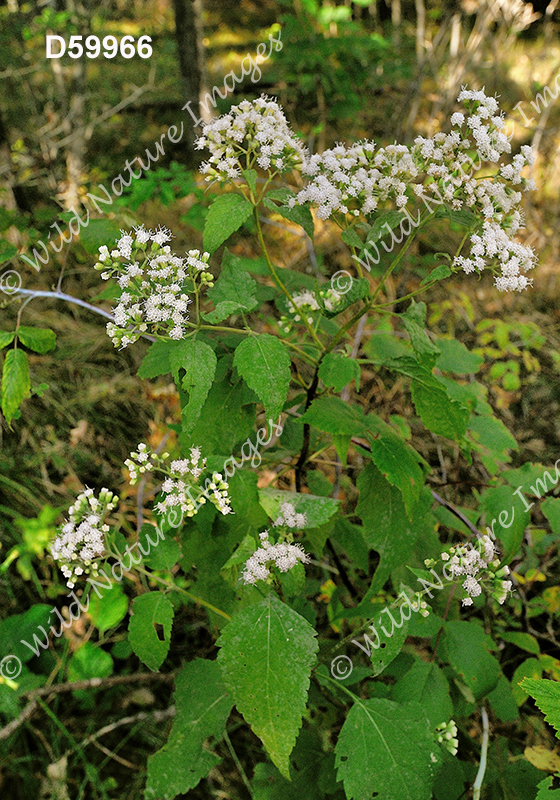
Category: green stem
[239,765]
[279,282]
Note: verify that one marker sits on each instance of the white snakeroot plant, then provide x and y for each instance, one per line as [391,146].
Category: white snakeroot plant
[349,182]
[153,283]
[480,567]
[80,542]
[250,134]
[181,481]
[283,555]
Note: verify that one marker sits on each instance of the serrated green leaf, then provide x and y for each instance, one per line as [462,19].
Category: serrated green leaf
[16,382]
[337,370]
[414,320]
[301,215]
[109,609]
[199,362]
[386,526]
[463,645]
[202,705]
[40,340]
[149,610]
[384,751]
[157,360]
[426,684]
[439,413]
[332,415]
[384,222]
[6,338]
[99,232]
[351,238]
[396,460]
[223,310]
[546,695]
[317,510]
[251,176]
[227,417]
[264,364]
[437,274]
[266,655]
[499,502]
[227,213]
[455,357]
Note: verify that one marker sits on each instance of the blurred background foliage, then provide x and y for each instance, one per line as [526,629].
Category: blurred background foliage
[387,70]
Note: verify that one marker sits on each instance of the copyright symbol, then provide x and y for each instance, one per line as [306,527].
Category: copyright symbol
[341,281]
[10,667]
[341,667]
[10,282]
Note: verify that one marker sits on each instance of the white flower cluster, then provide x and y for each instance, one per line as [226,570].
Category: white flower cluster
[283,555]
[444,158]
[181,487]
[81,539]
[305,304]
[355,179]
[446,734]
[152,281]
[289,518]
[251,132]
[475,562]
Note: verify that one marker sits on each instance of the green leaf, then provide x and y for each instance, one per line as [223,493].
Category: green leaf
[384,751]
[264,363]
[426,684]
[223,310]
[396,460]
[439,413]
[227,213]
[108,610]
[546,792]
[463,645]
[6,338]
[227,417]
[97,233]
[41,340]
[31,627]
[251,176]
[332,415]
[7,251]
[199,362]
[502,701]
[414,319]
[382,221]
[493,440]
[149,610]
[530,668]
[203,706]
[437,274]
[358,290]
[318,510]
[166,554]
[455,357]
[15,382]
[351,238]
[88,662]
[234,285]
[301,215]
[550,507]
[386,526]
[266,655]
[157,360]
[337,370]
[506,518]
[546,695]
[523,640]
